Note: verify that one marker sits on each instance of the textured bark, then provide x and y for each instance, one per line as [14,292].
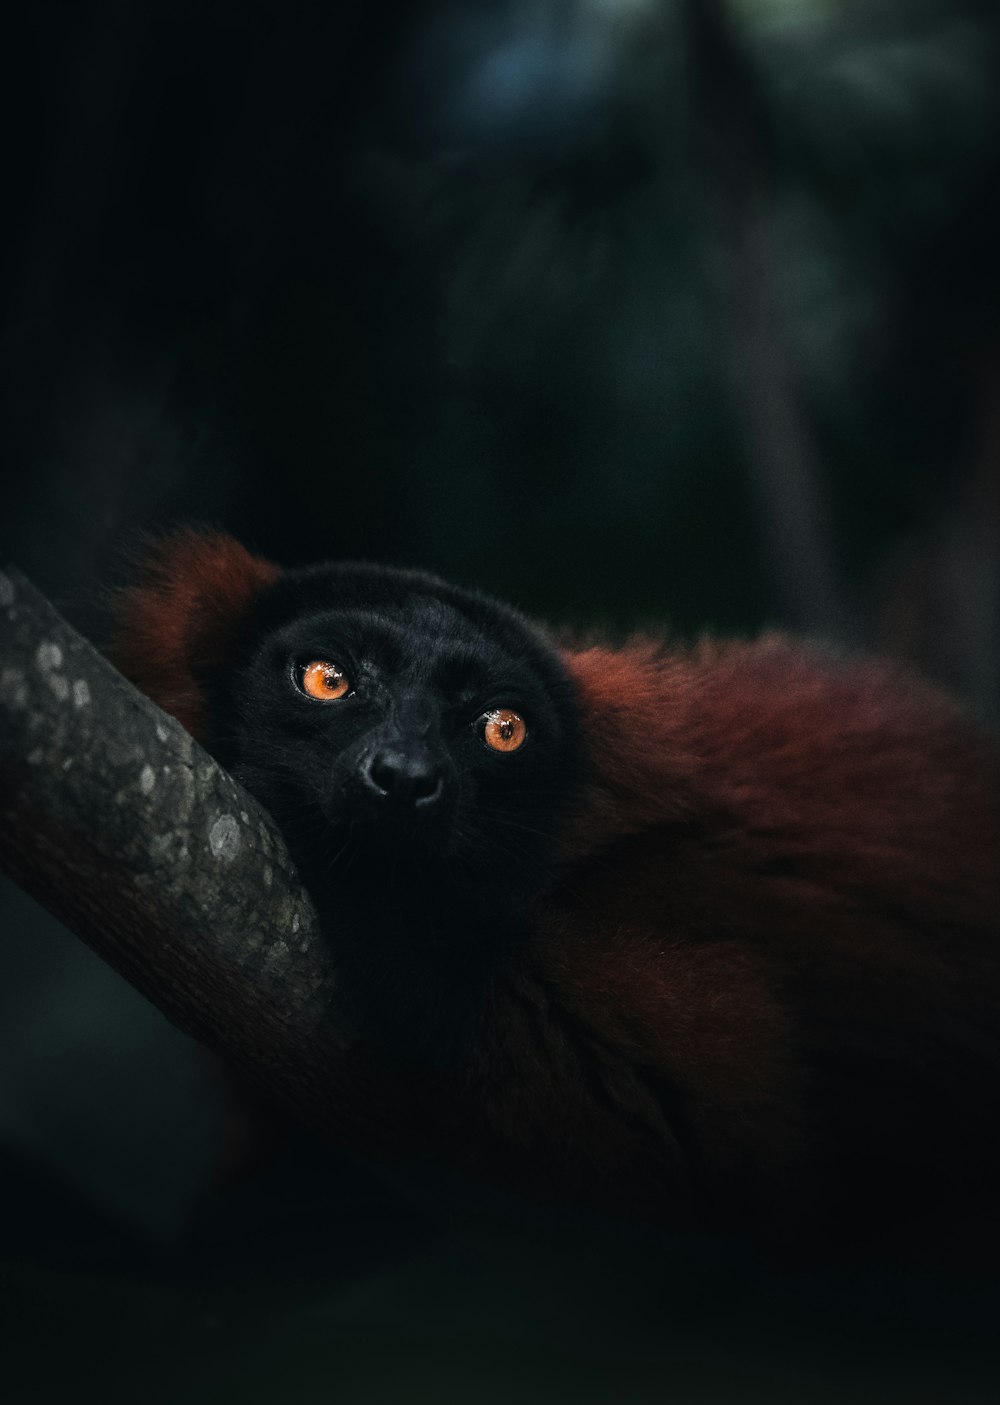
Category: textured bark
[114,819]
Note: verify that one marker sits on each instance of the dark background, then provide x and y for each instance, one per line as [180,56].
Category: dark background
[630,311]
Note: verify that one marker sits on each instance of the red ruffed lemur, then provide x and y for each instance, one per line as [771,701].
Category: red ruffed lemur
[709,935]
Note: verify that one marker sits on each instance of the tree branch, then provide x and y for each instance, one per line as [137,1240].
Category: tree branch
[125,829]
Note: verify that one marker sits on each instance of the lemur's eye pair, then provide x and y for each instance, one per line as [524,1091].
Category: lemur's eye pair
[325,681]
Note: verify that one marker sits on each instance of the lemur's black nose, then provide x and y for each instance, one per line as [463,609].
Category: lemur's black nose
[410,776]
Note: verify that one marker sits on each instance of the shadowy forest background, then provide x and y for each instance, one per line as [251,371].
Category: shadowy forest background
[682,312]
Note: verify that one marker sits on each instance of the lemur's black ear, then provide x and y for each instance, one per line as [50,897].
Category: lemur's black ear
[182,615]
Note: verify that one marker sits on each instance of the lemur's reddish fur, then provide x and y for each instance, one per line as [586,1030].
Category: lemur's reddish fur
[772,970]
[194,589]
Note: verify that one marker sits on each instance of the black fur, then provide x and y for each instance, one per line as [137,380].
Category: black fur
[422,903]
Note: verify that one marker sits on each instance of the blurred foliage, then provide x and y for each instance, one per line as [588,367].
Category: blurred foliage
[461,285]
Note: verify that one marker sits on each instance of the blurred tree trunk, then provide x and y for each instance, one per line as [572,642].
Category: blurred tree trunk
[733,147]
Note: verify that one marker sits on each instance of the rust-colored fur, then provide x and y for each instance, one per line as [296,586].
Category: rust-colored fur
[782,912]
[191,597]
[766,986]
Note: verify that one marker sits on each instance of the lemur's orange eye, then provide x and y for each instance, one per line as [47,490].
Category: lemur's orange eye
[505,730]
[325,681]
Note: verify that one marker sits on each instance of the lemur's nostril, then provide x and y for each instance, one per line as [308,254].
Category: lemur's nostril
[408,777]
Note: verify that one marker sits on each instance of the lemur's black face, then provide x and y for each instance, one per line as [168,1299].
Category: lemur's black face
[384,716]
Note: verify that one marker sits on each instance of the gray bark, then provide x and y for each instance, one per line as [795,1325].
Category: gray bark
[114,819]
